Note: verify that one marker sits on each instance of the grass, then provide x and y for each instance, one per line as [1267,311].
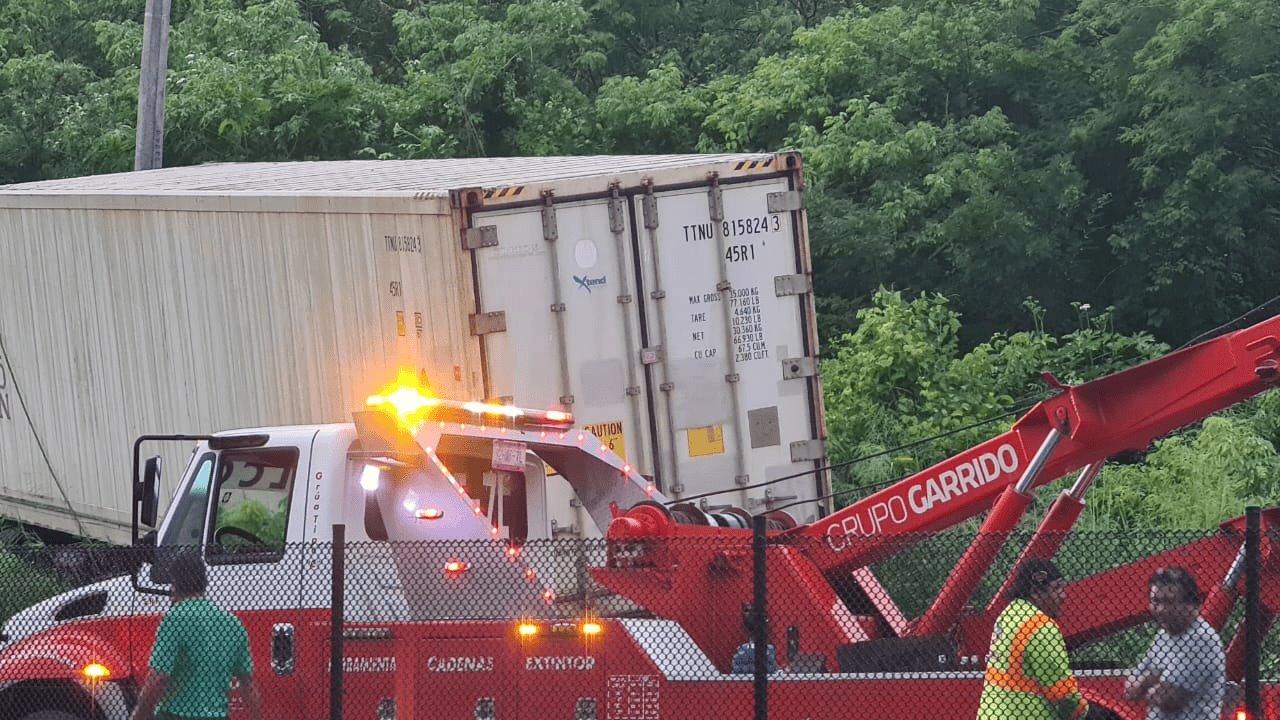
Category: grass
[22,585]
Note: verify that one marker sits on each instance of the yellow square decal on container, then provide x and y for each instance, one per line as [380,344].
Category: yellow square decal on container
[706,440]
[610,433]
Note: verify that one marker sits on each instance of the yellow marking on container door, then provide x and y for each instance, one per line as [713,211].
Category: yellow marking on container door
[705,440]
[610,433]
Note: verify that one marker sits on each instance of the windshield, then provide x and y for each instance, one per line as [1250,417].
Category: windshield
[253,488]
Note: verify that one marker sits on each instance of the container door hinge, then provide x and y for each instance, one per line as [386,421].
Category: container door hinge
[808,450]
[799,367]
[550,231]
[787,201]
[784,285]
[650,355]
[715,200]
[649,208]
[566,400]
[480,237]
[667,386]
[633,390]
[616,221]
[490,322]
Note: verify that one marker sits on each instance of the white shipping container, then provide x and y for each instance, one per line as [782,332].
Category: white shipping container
[665,300]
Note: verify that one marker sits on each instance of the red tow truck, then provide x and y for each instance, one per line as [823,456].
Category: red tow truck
[452,611]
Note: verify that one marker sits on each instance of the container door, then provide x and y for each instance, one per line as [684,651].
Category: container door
[728,301]
[558,316]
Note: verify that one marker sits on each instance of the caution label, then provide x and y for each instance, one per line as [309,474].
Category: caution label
[705,440]
[610,433]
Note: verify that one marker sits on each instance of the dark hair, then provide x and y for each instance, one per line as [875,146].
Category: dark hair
[188,574]
[1034,574]
[749,619]
[1178,577]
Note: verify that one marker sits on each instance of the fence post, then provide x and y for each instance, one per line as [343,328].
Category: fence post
[760,611]
[337,599]
[1252,611]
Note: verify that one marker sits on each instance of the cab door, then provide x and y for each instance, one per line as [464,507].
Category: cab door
[255,572]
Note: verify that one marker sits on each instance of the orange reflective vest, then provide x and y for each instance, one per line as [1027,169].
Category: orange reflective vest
[1027,674]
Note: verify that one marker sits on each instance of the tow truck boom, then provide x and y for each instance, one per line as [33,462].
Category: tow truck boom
[1088,423]
[824,566]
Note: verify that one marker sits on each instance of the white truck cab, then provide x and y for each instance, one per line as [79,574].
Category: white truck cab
[437,500]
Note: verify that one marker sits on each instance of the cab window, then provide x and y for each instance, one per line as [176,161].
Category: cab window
[251,506]
[186,523]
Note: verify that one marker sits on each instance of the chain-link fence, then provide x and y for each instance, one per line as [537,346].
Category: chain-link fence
[938,626]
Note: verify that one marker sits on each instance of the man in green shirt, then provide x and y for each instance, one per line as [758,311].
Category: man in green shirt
[198,649]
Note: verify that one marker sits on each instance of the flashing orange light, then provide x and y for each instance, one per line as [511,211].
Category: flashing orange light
[412,405]
[454,567]
[549,595]
[1242,714]
[591,628]
[513,551]
[528,629]
[95,672]
[429,513]
[404,399]
[480,408]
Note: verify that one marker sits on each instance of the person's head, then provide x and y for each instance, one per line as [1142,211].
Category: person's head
[1039,582]
[189,577]
[748,620]
[1175,599]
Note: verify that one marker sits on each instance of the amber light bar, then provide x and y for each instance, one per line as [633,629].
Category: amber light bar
[411,405]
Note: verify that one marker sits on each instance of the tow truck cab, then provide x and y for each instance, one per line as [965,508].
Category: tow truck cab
[435,516]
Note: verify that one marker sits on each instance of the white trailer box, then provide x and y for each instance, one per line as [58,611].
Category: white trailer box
[665,300]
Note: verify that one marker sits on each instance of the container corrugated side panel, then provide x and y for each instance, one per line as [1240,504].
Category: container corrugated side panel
[119,322]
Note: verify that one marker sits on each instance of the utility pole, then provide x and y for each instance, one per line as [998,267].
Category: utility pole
[149,147]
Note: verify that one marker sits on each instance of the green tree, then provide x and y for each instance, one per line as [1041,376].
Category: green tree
[501,79]
[903,377]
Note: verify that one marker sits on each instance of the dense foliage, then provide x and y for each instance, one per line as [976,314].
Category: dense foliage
[1101,152]
[903,393]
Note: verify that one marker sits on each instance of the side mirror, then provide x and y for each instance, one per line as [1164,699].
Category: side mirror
[150,492]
